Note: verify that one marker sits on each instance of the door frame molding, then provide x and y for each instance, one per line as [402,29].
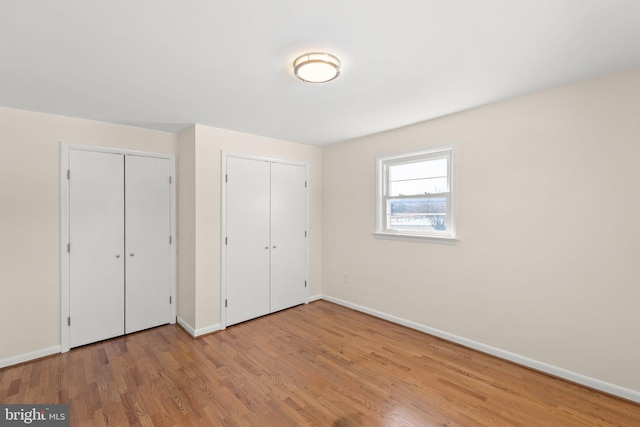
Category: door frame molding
[65,149]
[223,221]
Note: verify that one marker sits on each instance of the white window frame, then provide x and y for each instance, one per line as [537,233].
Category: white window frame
[382,163]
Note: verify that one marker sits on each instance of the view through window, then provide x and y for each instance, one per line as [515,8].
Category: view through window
[416,194]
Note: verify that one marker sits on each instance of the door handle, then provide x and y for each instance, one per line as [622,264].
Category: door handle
[131,254]
[118,256]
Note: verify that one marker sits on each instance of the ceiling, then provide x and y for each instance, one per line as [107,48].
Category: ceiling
[166,64]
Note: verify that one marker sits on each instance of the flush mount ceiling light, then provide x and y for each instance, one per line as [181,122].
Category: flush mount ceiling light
[316,67]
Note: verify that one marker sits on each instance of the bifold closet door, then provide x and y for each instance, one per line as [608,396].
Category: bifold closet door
[247,234]
[148,248]
[288,235]
[96,236]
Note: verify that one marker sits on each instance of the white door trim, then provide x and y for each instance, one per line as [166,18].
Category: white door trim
[223,222]
[64,229]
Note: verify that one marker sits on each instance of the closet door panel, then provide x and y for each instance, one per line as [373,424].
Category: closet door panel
[148,249]
[96,235]
[288,241]
[247,233]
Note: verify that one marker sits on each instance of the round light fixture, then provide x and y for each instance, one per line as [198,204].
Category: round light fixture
[316,67]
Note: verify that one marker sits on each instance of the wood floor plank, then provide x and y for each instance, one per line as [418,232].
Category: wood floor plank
[313,365]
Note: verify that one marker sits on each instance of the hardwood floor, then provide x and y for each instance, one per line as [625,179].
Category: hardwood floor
[318,365]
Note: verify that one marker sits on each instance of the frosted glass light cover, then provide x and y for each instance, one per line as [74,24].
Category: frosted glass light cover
[316,67]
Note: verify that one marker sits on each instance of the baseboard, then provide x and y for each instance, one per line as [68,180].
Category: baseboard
[27,357]
[197,332]
[186,326]
[314,298]
[209,329]
[594,383]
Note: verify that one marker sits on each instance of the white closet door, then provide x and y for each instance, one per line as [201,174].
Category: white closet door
[288,241]
[96,235]
[247,233]
[148,250]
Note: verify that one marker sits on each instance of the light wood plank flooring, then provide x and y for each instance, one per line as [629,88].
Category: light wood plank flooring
[314,365]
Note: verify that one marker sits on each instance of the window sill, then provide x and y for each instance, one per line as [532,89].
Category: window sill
[416,238]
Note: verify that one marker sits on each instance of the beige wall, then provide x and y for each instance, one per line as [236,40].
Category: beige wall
[209,143]
[548,209]
[30,217]
[186,220]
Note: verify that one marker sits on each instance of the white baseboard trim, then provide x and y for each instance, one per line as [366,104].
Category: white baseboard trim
[186,326]
[209,329]
[313,298]
[26,357]
[200,331]
[594,383]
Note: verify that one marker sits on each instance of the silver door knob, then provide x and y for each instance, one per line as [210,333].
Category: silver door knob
[131,254]
[118,256]
[274,247]
[266,247]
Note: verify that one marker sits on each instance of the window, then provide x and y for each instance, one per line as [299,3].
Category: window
[415,195]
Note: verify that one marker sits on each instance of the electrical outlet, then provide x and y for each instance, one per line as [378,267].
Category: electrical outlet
[345,277]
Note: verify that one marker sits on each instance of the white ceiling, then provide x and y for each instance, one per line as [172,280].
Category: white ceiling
[165,64]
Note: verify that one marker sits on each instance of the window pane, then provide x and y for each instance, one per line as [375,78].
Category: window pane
[422,177]
[420,169]
[418,186]
[427,214]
